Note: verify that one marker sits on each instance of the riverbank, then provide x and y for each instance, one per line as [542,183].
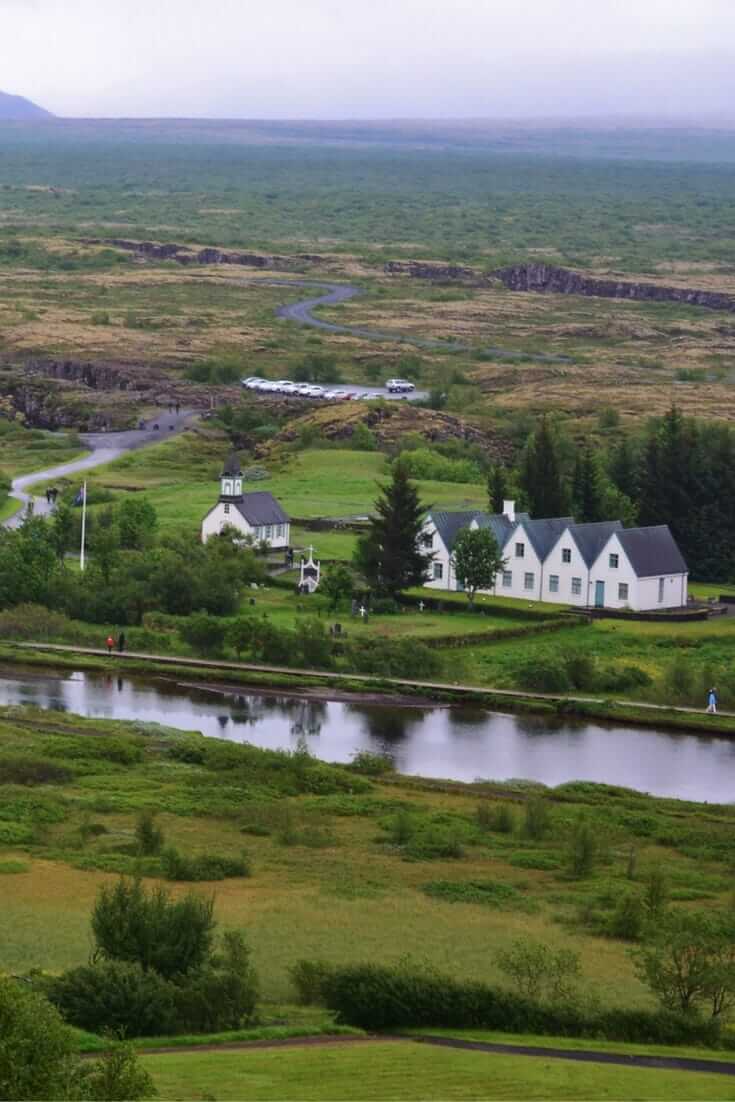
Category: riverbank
[363,688]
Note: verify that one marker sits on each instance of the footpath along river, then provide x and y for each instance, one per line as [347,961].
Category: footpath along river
[459,743]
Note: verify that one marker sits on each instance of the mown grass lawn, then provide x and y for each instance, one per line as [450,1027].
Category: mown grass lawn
[383,1070]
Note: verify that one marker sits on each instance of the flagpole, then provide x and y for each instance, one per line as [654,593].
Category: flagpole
[84,525]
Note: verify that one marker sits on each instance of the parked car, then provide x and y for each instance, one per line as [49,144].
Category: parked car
[251,379]
[399,386]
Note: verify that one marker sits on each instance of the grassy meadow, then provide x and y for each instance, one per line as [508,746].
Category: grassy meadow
[334,875]
[403,1070]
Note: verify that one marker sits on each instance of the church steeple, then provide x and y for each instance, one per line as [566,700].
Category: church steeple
[231,479]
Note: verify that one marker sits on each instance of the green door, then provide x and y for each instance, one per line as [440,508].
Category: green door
[599,594]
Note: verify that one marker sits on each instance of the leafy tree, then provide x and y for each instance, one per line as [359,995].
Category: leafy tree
[690,961]
[542,476]
[63,528]
[104,546]
[241,634]
[172,936]
[623,468]
[204,633]
[337,584]
[36,1048]
[137,522]
[655,894]
[538,971]
[477,559]
[38,1056]
[389,554]
[497,487]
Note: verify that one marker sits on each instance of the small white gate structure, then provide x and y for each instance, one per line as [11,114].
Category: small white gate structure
[311,572]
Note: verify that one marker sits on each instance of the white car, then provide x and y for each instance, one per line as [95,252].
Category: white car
[253,383]
[303,389]
[399,386]
[250,380]
[289,388]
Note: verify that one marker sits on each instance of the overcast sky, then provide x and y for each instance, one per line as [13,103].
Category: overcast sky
[370,58]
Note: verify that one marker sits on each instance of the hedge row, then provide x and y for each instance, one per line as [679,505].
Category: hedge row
[457,602]
[498,634]
[375,997]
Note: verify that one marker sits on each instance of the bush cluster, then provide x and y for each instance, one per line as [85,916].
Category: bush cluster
[380,997]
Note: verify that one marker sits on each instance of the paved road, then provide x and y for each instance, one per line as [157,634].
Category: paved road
[587,1056]
[105,446]
[334,293]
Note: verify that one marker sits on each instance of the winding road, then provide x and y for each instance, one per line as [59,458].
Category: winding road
[334,293]
[105,446]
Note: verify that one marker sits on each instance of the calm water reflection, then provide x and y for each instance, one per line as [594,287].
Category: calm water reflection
[459,743]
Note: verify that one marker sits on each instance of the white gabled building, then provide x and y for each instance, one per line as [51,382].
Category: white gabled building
[600,565]
[256,515]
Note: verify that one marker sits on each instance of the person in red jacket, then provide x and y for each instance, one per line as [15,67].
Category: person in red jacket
[110,644]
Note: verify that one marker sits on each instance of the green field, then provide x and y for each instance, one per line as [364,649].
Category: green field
[333,888]
[401,1070]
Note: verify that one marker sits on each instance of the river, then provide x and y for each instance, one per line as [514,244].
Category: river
[459,743]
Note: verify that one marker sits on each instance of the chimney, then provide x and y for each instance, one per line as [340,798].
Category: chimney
[509,510]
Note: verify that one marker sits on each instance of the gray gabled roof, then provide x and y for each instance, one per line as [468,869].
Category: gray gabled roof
[261,508]
[544,533]
[591,538]
[652,551]
[500,525]
[448,525]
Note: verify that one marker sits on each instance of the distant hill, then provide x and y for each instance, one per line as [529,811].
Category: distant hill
[17,107]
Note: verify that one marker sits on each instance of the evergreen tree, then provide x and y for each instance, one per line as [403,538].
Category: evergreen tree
[623,468]
[587,487]
[497,487]
[389,554]
[542,476]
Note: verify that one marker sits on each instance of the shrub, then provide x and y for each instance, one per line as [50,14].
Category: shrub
[223,995]
[543,675]
[580,669]
[394,658]
[536,820]
[30,770]
[118,996]
[117,1077]
[309,978]
[489,893]
[149,837]
[204,633]
[206,866]
[432,843]
[628,920]
[376,997]
[582,850]
[151,929]
[372,765]
[539,971]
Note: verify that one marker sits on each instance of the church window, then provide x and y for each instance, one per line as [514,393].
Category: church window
[227,508]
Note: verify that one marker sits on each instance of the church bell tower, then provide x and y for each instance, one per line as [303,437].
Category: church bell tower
[231,480]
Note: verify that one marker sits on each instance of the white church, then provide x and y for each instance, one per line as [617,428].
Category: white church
[255,514]
[600,565]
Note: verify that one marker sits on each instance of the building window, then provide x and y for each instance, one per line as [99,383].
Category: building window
[281,531]
[528,581]
[258,532]
[660,590]
[576,586]
[227,508]
[428,539]
[227,488]
[566,554]
[613,562]
[269,531]
[507,579]
[553,583]
[520,550]
[438,571]
[623,591]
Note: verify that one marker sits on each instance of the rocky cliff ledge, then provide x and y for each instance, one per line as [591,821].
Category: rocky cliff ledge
[547,278]
[424,269]
[182,254]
